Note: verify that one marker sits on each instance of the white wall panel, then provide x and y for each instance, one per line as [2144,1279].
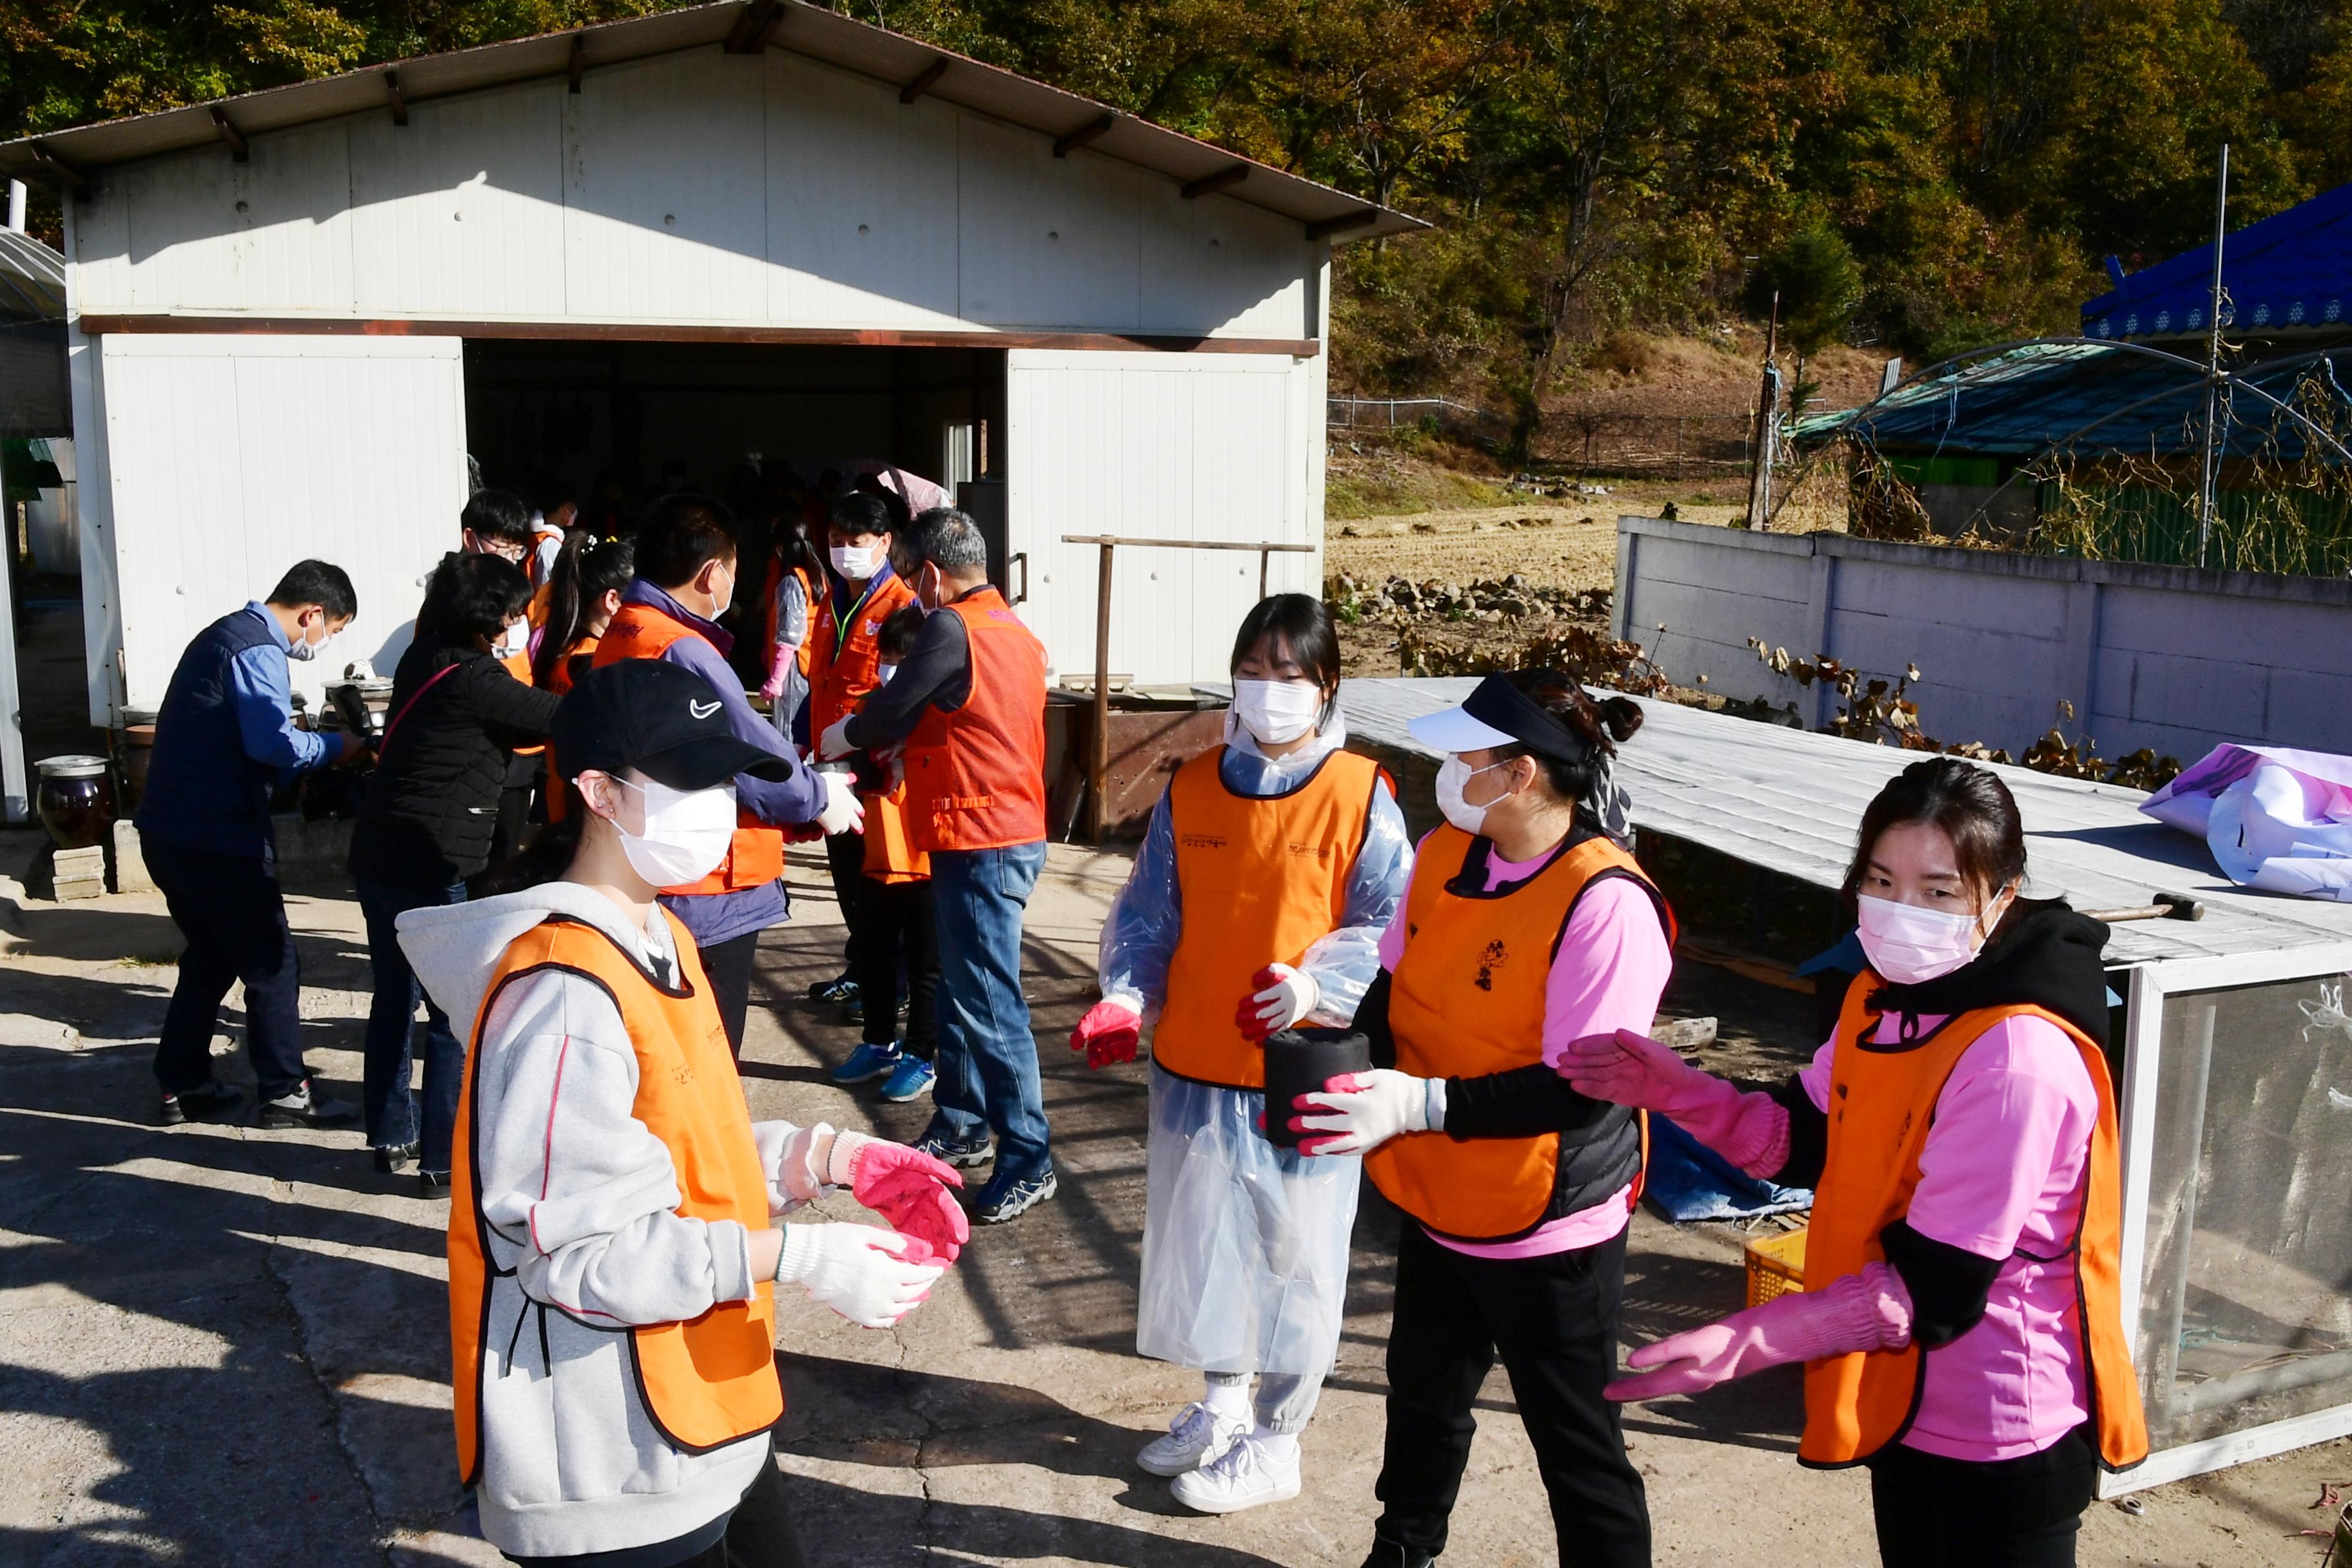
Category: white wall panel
[232,458]
[1156,446]
[271,236]
[1048,242]
[861,200]
[697,187]
[460,212]
[665,191]
[1215,259]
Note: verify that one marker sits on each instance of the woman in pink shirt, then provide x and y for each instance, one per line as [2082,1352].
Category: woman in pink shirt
[1960,1321]
[1524,927]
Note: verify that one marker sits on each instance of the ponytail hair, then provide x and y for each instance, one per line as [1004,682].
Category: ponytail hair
[585,570]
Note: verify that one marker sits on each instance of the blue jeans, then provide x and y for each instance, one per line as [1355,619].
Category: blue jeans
[391,1104]
[987,1055]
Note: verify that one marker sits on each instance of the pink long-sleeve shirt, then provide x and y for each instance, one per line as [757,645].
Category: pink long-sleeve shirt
[1611,969]
[2001,1176]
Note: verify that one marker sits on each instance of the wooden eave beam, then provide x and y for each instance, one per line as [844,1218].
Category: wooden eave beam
[63,174]
[1223,179]
[577,67]
[1362,217]
[238,148]
[399,101]
[925,80]
[1092,131]
[753,28]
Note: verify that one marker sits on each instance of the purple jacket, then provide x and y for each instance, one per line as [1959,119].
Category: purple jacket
[714,917]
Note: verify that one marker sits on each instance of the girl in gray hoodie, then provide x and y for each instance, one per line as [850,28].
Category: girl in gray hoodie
[613,1250]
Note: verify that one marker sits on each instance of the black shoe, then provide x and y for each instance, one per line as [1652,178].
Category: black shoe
[306,1108]
[393,1158]
[840,988]
[963,1154]
[433,1183]
[208,1102]
[1007,1197]
[1389,1555]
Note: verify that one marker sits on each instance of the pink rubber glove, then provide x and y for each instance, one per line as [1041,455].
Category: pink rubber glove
[774,687]
[906,1187]
[1751,1130]
[1110,1032]
[1279,995]
[1866,1311]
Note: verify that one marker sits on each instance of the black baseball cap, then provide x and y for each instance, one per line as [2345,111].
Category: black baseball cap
[1497,713]
[662,719]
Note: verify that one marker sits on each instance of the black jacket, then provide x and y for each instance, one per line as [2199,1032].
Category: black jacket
[434,798]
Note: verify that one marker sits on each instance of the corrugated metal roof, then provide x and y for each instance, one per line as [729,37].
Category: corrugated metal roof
[32,279]
[2095,396]
[2290,272]
[1791,802]
[60,157]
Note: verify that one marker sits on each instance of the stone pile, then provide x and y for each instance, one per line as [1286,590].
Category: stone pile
[1511,598]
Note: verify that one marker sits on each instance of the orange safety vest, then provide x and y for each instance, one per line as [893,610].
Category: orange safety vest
[705,1382]
[518,666]
[846,663]
[559,681]
[1261,877]
[976,777]
[1467,1000]
[1883,1101]
[755,856]
[890,852]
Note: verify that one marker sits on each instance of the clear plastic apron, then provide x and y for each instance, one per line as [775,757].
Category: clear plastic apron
[1245,1245]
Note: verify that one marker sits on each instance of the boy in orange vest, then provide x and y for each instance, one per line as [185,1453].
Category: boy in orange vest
[893,930]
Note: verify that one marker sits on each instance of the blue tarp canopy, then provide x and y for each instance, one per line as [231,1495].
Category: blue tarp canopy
[2290,272]
[2093,397]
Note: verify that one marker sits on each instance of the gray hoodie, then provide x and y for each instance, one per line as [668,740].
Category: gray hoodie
[585,1240]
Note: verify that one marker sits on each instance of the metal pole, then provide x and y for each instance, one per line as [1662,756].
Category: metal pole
[1760,479]
[17,207]
[1098,767]
[2209,477]
[1264,556]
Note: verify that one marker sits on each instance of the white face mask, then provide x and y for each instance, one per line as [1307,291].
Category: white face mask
[1906,944]
[883,672]
[517,639]
[686,833]
[1276,711]
[302,650]
[857,562]
[1451,777]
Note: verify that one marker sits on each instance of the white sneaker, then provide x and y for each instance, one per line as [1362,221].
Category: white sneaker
[1244,1476]
[1198,1434]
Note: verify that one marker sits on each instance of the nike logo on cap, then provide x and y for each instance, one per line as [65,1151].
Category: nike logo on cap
[701,709]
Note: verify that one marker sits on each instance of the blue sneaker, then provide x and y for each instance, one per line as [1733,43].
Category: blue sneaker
[910,1080]
[868,1061]
[963,1154]
[1005,1196]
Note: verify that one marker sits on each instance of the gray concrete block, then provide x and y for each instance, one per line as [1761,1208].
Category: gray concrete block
[130,863]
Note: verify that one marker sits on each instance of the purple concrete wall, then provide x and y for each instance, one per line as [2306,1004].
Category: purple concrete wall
[2163,656]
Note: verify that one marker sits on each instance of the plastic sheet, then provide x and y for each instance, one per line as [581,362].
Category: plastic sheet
[1245,1245]
[2275,819]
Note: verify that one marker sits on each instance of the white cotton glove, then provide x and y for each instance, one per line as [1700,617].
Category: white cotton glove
[834,744]
[1281,995]
[871,1276]
[1355,1112]
[843,812]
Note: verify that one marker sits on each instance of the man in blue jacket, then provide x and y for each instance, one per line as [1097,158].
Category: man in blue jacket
[224,740]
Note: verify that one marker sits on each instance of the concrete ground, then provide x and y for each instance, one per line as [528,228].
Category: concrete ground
[218,1345]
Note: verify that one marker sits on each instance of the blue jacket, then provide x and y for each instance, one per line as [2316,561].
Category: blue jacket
[224,740]
[714,917]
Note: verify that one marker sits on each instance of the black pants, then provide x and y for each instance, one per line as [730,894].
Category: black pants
[894,930]
[1934,1512]
[729,965]
[759,1534]
[231,912]
[845,858]
[1554,1321]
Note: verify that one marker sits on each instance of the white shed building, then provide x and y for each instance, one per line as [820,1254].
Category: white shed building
[672,240]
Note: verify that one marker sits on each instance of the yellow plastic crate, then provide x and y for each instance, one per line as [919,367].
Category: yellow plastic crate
[1776,1266]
